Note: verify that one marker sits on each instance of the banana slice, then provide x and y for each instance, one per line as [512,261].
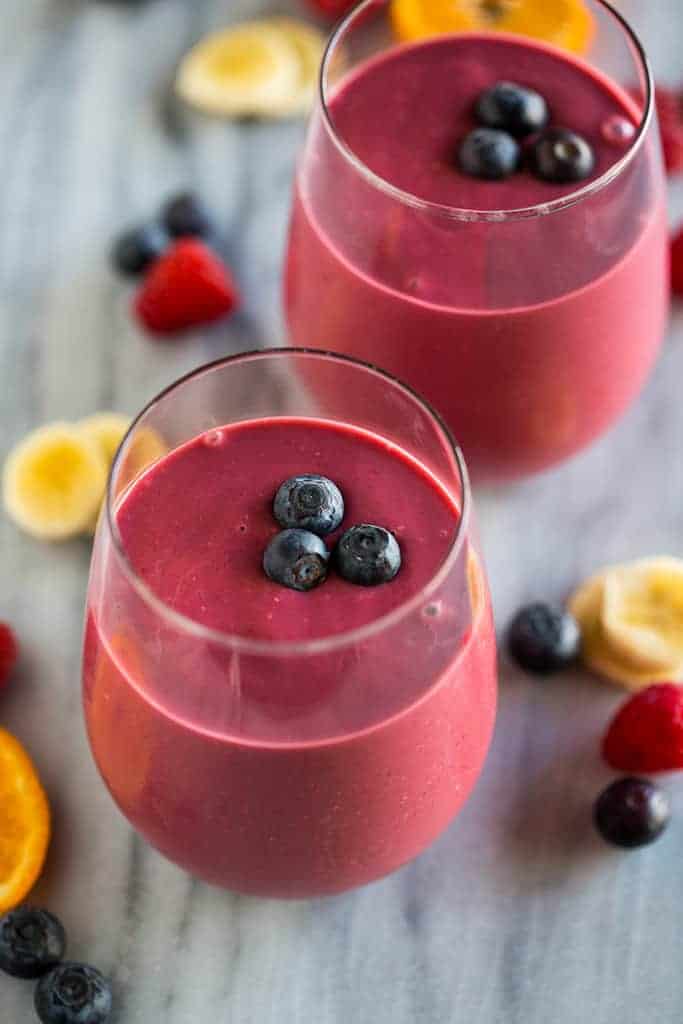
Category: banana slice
[309,45]
[107,430]
[53,482]
[242,71]
[631,618]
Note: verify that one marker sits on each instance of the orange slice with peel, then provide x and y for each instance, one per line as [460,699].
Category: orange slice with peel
[24,823]
[565,23]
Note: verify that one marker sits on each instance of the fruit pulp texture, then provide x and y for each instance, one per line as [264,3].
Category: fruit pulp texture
[529,335]
[288,776]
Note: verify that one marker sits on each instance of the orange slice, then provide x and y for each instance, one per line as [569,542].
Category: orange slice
[24,823]
[566,23]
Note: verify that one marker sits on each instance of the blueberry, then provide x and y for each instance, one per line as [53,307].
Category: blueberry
[367,555]
[543,639]
[135,250]
[489,153]
[309,502]
[561,156]
[631,812]
[31,942]
[512,108]
[297,559]
[73,994]
[184,214]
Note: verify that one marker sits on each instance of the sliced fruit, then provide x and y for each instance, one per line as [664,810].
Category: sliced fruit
[309,45]
[586,605]
[566,23]
[107,430]
[145,447]
[53,481]
[241,71]
[24,823]
[642,614]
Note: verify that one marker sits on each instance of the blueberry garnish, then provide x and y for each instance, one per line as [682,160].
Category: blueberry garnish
[367,555]
[31,942]
[73,994]
[512,108]
[135,250]
[488,153]
[561,156]
[309,502]
[297,559]
[631,812]
[184,214]
[543,639]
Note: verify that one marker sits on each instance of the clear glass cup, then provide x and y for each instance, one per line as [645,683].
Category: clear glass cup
[530,329]
[289,769]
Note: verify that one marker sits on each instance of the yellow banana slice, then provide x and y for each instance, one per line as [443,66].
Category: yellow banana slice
[620,611]
[107,430]
[642,613]
[309,45]
[53,482]
[241,71]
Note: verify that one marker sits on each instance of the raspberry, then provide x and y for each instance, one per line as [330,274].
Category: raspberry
[331,8]
[646,735]
[9,652]
[677,263]
[669,104]
[187,286]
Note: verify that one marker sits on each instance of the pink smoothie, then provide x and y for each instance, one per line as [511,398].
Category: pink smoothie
[529,334]
[280,771]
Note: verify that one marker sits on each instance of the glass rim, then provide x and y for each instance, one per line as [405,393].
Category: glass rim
[319,645]
[497,216]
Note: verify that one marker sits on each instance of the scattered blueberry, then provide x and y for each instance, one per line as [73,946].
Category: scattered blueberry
[367,555]
[31,942]
[561,156]
[73,994]
[489,153]
[512,108]
[184,214]
[297,559]
[631,812]
[543,639]
[135,250]
[310,502]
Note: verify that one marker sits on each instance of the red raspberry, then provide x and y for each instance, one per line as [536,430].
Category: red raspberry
[646,735]
[677,263]
[669,104]
[331,8]
[9,652]
[187,286]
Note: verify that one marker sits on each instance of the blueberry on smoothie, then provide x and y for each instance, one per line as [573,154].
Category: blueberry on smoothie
[297,559]
[73,994]
[631,812]
[561,156]
[367,555]
[309,502]
[512,108]
[489,154]
[544,639]
[31,942]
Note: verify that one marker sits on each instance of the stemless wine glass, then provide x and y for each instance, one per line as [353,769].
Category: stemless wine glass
[300,767]
[529,329]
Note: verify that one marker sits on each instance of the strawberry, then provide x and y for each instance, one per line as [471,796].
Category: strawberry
[9,652]
[669,104]
[646,735]
[187,286]
[677,263]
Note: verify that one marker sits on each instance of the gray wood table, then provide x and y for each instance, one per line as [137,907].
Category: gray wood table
[519,914]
